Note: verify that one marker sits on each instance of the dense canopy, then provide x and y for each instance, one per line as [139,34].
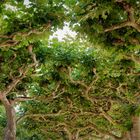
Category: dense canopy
[82,88]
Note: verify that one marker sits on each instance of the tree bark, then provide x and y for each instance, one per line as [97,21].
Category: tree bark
[135,132]
[10,130]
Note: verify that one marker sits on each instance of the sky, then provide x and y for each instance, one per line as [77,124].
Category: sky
[62,33]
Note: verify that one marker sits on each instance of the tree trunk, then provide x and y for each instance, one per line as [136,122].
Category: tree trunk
[10,130]
[135,132]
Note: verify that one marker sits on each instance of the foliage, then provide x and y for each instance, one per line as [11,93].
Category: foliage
[85,88]
[81,92]
[108,23]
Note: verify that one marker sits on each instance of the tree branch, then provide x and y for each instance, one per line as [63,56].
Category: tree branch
[5,36]
[108,117]
[130,21]
[21,99]
[15,81]
[56,89]
[9,43]
[136,59]
[122,25]
[68,133]
[118,26]
[65,128]
[99,131]
[33,55]
[76,82]
[38,116]
[12,38]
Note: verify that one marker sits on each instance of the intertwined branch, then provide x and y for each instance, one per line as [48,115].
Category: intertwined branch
[88,88]
[130,21]
[10,40]
[17,79]
[39,115]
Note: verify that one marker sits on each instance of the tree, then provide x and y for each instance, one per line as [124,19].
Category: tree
[83,93]
[114,25]
[74,89]
[22,26]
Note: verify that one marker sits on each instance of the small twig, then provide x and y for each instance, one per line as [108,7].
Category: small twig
[91,85]
[70,102]
[57,87]
[14,57]
[5,36]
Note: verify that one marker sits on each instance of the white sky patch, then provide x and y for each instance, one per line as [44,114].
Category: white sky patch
[61,34]
[26,2]
[10,7]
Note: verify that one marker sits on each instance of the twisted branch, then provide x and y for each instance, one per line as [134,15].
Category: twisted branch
[21,99]
[76,82]
[130,21]
[38,116]
[108,117]
[12,38]
[16,80]
[102,133]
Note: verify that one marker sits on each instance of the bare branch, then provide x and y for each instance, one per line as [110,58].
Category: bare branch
[119,0]
[99,131]
[87,88]
[91,85]
[38,116]
[57,87]
[65,128]
[136,59]
[118,26]
[12,85]
[134,41]
[128,8]
[70,102]
[5,36]
[137,95]
[136,74]
[21,99]
[9,43]
[33,55]
[130,21]
[86,93]
[136,26]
